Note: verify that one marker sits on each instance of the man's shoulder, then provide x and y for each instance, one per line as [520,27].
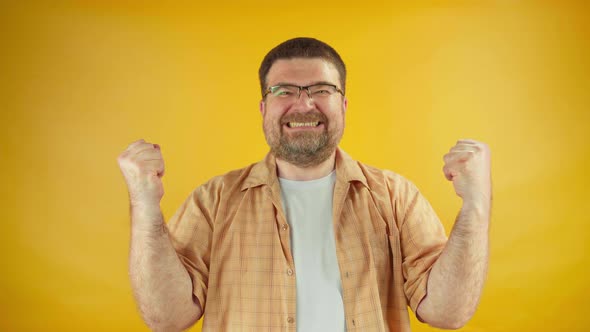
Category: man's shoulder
[230,178]
[233,180]
[376,175]
[385,183]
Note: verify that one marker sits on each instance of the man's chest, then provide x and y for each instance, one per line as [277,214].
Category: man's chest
[252,277]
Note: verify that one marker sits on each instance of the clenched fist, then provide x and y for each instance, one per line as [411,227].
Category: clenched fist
[467,165]
[142,166]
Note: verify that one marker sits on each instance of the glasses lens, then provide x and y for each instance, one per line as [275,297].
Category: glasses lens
[284,90]
[292,91]
[322,90]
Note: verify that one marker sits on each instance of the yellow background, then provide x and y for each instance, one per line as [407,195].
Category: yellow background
[80,82]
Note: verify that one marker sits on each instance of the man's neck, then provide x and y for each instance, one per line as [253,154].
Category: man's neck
[291,172]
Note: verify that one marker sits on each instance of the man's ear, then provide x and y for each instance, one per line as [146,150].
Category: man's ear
[262,107]
[344,105]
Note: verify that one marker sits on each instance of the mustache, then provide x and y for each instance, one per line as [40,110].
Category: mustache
[311,116]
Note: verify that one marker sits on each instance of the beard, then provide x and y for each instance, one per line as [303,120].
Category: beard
[305,148]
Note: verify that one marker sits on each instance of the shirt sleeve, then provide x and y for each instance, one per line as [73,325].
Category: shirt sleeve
[422,239]
[191,231]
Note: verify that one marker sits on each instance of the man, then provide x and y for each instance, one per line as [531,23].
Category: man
[307,239]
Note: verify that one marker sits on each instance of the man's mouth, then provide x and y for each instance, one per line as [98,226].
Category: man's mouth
[303,124]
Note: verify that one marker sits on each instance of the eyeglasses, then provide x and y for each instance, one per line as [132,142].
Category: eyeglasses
[292,92]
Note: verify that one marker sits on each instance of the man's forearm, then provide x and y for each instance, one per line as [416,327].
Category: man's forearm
[161,284]
[456,279]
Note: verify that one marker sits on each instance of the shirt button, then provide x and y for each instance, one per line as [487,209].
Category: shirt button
[290,320]
[284,227]
[289,272]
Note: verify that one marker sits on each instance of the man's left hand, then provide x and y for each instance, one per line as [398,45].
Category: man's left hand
[467,165]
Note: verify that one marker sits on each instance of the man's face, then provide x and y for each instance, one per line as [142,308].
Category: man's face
[303,131]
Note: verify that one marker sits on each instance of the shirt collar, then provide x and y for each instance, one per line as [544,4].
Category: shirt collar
[265,171]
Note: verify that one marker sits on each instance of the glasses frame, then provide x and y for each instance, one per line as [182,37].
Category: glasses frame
[306,88]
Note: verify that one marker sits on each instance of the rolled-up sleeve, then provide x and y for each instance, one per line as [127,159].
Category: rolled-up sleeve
[191,231]
[422,239]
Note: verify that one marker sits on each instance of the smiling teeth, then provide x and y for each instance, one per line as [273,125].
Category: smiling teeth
[303,124]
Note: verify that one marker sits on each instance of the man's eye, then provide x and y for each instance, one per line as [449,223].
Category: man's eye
[322,92]
[283,93]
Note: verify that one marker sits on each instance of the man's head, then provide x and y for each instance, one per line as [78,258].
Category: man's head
[301,47]
[303,103]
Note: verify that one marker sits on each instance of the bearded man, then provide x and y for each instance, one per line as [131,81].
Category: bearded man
[307,239]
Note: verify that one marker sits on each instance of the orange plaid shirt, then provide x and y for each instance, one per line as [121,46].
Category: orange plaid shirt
[232,236]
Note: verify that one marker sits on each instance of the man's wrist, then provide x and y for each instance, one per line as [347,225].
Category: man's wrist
[476,208]
[146,215]
[149,205]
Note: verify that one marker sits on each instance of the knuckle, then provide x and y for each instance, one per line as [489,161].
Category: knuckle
[135,143]
[123,154]
[131,159]
[125,161]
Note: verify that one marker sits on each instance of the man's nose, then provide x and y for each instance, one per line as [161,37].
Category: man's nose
[304,100]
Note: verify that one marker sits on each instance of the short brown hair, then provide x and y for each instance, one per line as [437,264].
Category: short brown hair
[302,47]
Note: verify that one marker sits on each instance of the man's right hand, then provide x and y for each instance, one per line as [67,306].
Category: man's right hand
[142,166]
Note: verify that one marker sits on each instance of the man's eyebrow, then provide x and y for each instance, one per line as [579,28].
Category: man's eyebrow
[284,83]
[313,83]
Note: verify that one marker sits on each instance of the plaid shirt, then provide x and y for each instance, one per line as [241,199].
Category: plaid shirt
[232,236]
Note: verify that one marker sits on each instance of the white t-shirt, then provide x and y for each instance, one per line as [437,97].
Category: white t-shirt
[308,207]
